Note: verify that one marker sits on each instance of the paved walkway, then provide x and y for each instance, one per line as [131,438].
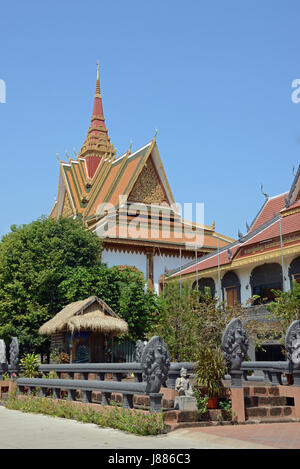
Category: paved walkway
[33,431]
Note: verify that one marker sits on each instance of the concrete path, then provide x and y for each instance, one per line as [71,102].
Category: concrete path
[34,431]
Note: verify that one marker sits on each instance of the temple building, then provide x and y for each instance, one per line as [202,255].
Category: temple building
[266,258]
[128,202]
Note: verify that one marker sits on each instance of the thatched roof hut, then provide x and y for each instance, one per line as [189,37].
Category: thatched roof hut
[92,315]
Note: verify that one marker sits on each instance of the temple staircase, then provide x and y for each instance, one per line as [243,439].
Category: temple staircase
[264,404]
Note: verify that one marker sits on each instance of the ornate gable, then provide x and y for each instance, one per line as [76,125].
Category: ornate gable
[67,208]
[148,188]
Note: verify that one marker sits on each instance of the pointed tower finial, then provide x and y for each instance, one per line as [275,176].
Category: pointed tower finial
[98,94]
[97,143]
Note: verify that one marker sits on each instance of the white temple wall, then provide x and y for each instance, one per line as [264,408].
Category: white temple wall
[112,258]
[160,264]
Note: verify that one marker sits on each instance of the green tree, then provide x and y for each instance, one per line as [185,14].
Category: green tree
[34,260]
[138,305]
[123,289]
[284,310]
[189,320]
[47,264]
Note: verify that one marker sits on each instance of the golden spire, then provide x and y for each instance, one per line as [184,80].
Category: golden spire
[98,82]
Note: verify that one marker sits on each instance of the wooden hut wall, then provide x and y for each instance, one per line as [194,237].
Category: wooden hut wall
[58,340]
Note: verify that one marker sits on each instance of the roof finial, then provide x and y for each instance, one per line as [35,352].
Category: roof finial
[266,195]
[98,81]
[129,149]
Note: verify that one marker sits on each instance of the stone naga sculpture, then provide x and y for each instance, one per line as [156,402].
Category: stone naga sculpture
[155,362]
[183,385]
[2,352]
[235,344]
[14,353]
[292,344]
[139,347]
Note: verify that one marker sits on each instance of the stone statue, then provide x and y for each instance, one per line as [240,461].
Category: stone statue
[2,352]
[139,347]
[155,362]
[183,385]
[235,344]
[14,353]
[292,344]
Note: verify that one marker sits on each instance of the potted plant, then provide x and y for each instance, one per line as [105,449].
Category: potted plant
[209,372]
[29,365]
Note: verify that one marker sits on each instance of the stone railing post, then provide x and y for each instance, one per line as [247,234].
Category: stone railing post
[14,353]
[235,344]
[155,362]
[292,347]
[3,363]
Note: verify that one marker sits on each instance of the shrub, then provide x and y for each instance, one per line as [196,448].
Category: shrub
[29,364]
[130,420]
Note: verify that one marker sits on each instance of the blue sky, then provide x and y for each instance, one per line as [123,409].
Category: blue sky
[214,77]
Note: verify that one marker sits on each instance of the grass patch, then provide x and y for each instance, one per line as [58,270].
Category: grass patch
[129,420]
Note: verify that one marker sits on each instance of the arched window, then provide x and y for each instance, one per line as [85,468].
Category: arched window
[264,279]
[204,283]
[231,288]
[294,270]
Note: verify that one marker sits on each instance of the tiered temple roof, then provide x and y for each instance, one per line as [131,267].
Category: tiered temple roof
[97,177]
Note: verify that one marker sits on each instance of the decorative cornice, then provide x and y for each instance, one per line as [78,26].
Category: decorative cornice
[274,254]
[290,211]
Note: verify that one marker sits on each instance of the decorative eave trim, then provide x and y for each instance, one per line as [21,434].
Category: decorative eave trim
[238,263]
[66,183]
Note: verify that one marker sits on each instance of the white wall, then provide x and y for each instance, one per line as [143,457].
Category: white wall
[160,263]
[112,258]
[164,262]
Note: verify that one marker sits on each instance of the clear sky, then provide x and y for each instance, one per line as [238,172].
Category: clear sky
[213,76]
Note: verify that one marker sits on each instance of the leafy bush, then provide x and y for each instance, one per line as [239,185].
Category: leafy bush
[285,308]
[29,365]
[189,318]
[137,422]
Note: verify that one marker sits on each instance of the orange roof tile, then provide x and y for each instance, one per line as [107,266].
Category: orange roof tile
[272,206]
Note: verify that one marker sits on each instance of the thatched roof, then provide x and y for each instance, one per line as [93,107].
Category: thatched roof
[91,314]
